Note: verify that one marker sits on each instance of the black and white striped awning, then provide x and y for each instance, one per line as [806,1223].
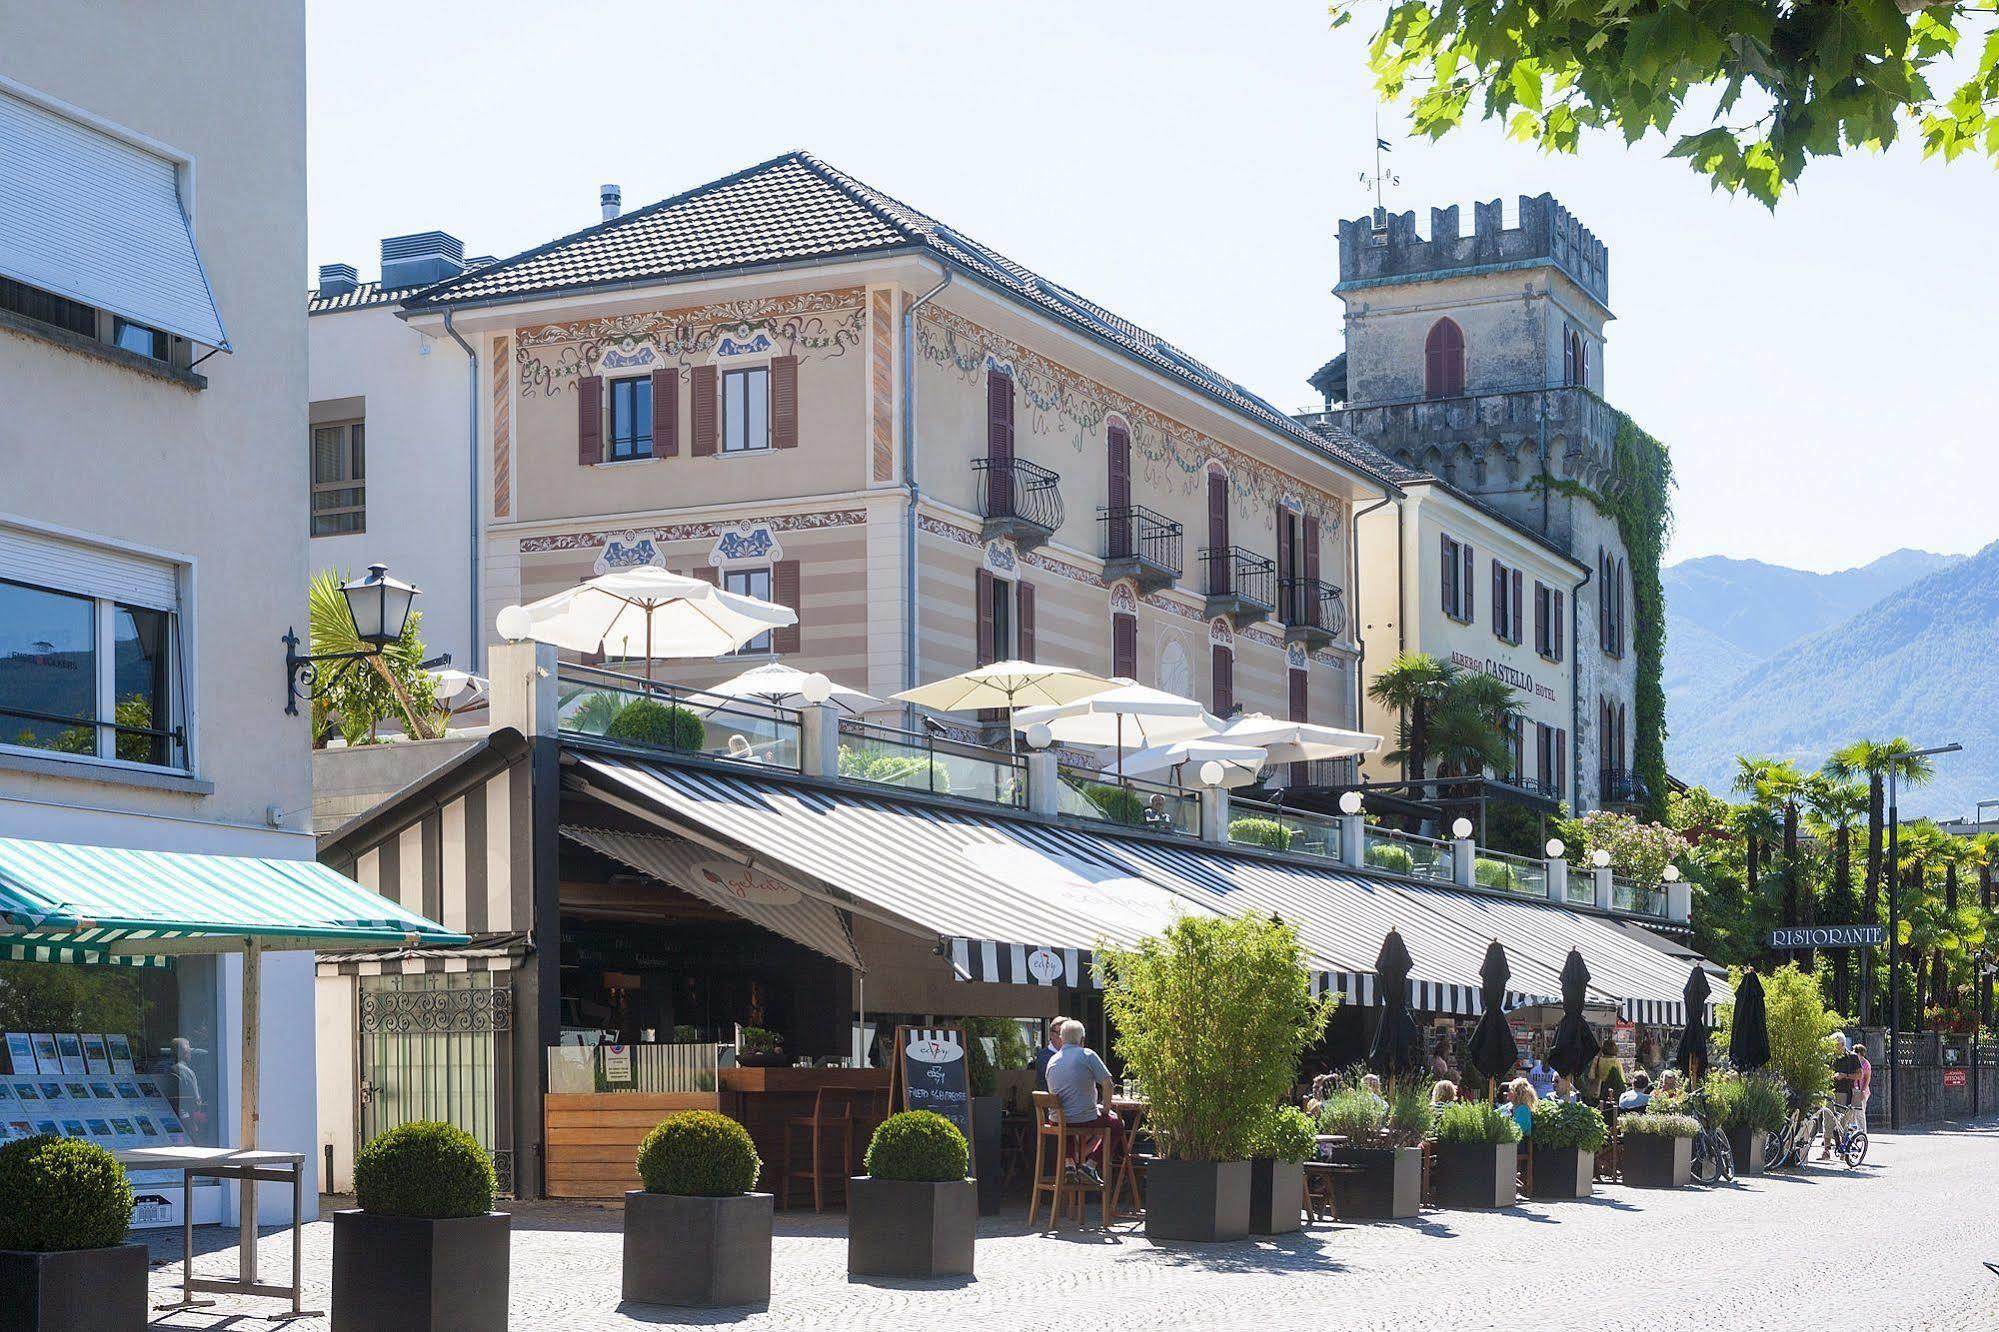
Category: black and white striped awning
[1022,964]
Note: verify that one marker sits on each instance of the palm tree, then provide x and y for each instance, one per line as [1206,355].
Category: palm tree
[1783,785]
[330,627]
[1411,685]
[1872,759]
[1835,807]
[1468,724]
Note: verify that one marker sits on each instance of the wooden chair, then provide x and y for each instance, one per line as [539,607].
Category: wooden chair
[1052,1140]
[832,1116]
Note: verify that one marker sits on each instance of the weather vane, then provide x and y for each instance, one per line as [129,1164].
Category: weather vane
[1382,176]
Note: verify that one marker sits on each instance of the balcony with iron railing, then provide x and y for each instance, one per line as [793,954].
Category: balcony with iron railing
[1019,500]
[1240,584]
[1621,786]
[1314,613]
[1141,545]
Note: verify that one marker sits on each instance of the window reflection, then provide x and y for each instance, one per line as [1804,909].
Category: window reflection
[48,669]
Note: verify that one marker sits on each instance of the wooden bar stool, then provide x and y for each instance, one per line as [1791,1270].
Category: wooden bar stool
[832,1115]
[1052,1140]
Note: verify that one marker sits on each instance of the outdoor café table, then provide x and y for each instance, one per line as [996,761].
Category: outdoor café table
[228,1163]
[1123,1182]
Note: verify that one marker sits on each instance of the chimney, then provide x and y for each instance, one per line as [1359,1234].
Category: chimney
[337,280]
[611,199]
[421,259]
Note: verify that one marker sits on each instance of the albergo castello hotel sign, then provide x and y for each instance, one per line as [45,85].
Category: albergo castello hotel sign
[1520,680]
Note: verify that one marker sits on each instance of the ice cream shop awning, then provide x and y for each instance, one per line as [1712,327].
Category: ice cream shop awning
[65,903]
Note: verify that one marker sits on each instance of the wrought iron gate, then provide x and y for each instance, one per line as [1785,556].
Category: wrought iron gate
[439,1046]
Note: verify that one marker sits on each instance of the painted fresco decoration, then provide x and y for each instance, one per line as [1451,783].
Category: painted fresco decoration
[1220,633]
[786,522]
[747,543]
[628,550]
[1176,675]
[1167,455]
[1002,560]
[819,324]
[1295,656]
[1124,600]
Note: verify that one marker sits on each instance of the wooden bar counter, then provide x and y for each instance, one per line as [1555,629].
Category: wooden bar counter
[762,1099]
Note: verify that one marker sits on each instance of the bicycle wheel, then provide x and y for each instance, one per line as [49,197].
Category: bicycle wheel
[1725,1155]
[1854,1150]
[1775,1144]
[1707,1165]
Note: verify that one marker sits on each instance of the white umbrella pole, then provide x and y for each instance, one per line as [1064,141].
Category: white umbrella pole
[246,1117]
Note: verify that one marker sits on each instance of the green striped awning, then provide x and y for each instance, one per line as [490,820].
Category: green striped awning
[60,902]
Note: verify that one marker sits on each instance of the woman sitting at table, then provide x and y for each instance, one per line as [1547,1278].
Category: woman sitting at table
[1522,1097]
[1444,1092]
[1080,1080]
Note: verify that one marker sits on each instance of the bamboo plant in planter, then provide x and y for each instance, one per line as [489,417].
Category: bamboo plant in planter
[914,1214]
[1383,1135]
[425,1249]
[1477,1150]
[1211,1017]
[1749,1108]
[1656,1151]
[1278,1150]
[1567,1136]
[695,1236]
[64,1266]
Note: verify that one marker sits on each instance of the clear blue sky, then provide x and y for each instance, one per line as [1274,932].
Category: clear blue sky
[1824,375]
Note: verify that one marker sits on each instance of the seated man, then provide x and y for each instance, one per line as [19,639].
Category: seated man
[1078,1077]
[1640,1094]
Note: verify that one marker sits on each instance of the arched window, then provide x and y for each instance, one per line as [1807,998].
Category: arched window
[1444,361]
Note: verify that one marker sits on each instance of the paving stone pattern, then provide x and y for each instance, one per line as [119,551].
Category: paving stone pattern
[1898,1244]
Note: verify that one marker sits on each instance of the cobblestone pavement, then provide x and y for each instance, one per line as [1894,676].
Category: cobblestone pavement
[1898,1244]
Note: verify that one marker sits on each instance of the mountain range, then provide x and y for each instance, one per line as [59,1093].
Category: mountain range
[1766,660]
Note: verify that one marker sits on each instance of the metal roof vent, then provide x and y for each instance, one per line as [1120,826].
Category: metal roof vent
[421,259]
[337,279]
[611,199]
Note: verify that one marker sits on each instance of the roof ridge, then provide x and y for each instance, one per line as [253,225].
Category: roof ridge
[911,222]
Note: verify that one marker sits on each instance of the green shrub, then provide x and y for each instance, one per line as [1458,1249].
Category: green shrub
[1285,1134]
[761,1041]
[1647,1123]
[1494,874]
[644,721]
[1753,1101]
[1474,1122]
[685,1035]
[1574,1124]
[1119,804]
[915,771]
[1260,832]
[58,1194]
[1009,1051]
[1353,1113]
[1388,856]
[699,1154]
[1409,1111]
[918,1145]
[424,1169]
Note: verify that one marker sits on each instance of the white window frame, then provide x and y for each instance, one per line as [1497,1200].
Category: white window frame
[722,393]
[764,644]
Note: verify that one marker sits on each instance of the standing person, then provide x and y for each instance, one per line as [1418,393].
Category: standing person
[1863,1085]
[1845,1069]
[1047,1052]
[1080,1079]
[1604,1078]
[1542,1077]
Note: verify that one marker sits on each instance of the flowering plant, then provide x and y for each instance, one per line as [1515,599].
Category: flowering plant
[1638,851]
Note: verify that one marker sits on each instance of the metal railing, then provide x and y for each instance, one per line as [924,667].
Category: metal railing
[633,1068]
[1301,832]
[648,714]
[1408,853]
[1620,786]
[1104,797]
[1134,532]
[922,761]
[1016,488]
[1231,571]
[1311,603]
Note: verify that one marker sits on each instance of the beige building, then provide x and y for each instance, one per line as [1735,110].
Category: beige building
[791,384]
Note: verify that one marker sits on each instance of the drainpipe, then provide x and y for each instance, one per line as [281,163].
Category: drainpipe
[476,648]
[909,479]
[1576,683]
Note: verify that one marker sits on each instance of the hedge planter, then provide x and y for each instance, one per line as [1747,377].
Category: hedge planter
[1476,1174]
[1390,1187]
[1746,1146]
[911,1228]
[75,1290]
[697,1253]
[1276,1196]
[1562,1172]
[986,1166]
[418,1273]
[1203,1201]
[1655,1161]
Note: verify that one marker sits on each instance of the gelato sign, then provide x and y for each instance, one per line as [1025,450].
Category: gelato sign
[1520,680]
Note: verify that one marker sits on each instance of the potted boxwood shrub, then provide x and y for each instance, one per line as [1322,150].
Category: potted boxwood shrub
[647,721]
[64,1266]
[1383,1135]
[1278,1150]
[1749,1108]
[1656,1151]
[1567,1136]
[1211,1017]
[424,1249]
[695,1236]
[914,1214]
[1477,1150]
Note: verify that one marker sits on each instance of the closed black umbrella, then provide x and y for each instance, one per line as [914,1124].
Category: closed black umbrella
[1492,1051]
[1574,1044]
[1397,1048]
[1749,1034]
[1692,1058]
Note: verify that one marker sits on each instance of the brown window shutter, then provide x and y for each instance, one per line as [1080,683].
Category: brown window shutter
[1470,607]
[1498,600]
[784,591]
[1558,635]
[1221,569]
[1124,646]
[1118,454]
[984,594]
[1449,564]
[1224,673]
[1310,536]
[701,381]
[1023,614]
[665,413]
[590,420]
[1519,586]
[999,414]
[784,402]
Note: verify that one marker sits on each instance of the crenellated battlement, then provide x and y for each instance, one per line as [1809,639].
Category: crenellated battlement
[1387,247]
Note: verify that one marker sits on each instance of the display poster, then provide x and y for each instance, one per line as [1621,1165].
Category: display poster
[70,1047]
[96,1057]
[1627,1042]
[47,1059]
[20,1053]
[121,1054]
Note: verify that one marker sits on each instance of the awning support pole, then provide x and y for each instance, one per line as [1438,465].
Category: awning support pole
[246,1243]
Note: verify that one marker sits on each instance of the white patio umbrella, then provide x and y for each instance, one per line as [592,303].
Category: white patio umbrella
[1241,764]
[784,686]
[1297,742]
[659,613]
[1129,714]
[1006,684]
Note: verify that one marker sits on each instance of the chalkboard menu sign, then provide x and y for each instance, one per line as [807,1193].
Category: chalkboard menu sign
[933,1072]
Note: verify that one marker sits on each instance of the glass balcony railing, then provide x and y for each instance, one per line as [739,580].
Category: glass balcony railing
[647,714]
[1510,874]
[1407,853]
[1625,896]
[912,761]
[1300,832]
[1104,797]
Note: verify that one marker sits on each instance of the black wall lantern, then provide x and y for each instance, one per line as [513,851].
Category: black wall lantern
[379,607]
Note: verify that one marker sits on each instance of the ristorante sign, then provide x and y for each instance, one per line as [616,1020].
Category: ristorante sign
[1830,936]
[1501,671]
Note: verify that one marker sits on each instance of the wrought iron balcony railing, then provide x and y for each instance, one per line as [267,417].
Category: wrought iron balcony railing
[1313,611]
[1620,786]
[1019,500]
[1239,583]
[1141,545]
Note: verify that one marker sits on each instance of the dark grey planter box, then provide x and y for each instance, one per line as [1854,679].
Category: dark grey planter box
[986,1111]
[911,1228]
[1651,1161]
[1276,1197]
[1562,1172]
[1390,1189]
[1476,1174]
[80,1290]
[697,1253]
[1203,1201]
[1746,1145]
[420,1274]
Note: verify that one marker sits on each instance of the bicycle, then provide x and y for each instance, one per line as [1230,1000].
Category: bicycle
[1792,1142]
[1842,1135]
[1714,1159]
